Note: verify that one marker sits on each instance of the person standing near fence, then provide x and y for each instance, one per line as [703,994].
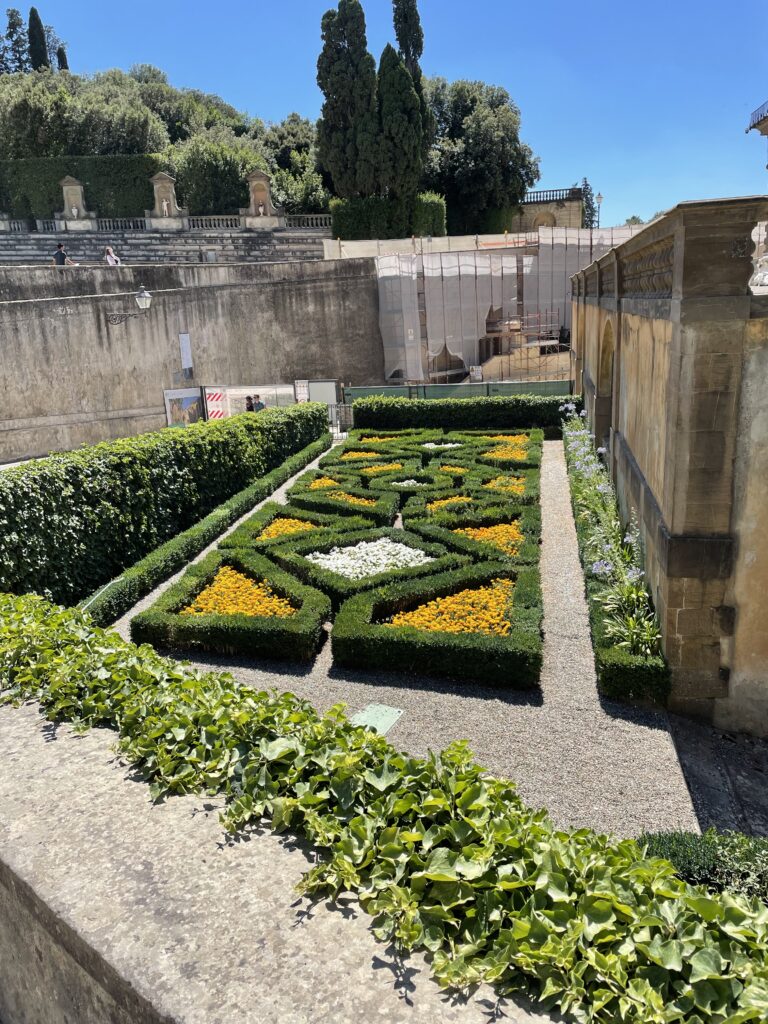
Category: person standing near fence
[111,258]
[61,257]
[258,405]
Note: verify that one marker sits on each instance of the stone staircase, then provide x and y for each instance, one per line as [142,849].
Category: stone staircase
[207,246]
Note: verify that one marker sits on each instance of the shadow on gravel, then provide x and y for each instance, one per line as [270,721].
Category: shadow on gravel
[637,714]
[431,684]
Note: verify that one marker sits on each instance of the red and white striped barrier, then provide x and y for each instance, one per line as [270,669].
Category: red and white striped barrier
[214,405]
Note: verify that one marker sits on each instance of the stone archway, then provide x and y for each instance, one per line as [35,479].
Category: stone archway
[604,388]
[544,220]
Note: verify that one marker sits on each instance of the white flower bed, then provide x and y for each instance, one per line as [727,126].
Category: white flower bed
[368,558]
[446,444]
[409,483]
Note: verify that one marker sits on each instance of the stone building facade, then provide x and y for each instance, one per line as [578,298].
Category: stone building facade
[671,353]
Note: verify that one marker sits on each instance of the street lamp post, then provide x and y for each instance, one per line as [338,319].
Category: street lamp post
[143,301]
[599,200]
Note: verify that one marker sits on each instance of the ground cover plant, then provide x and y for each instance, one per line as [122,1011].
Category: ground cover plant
[236,601]
[344,563]
[111,601]
[720,860]
[274,523]
[73,521]
[625,630]
[447,858]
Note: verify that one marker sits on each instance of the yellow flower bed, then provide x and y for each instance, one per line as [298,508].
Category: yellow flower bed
[232,593]
[321,482]
[285,526]
[478,610]
[377,440]
[504,536]
[355,455]
[453,469]
[350,499]
[510,484]
[512,447]
[438,503]
[386,467]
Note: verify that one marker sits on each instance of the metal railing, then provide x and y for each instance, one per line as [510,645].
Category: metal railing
[554,195]
[309,220]
[340,419]
[758,115]
[216,222]
[121,224]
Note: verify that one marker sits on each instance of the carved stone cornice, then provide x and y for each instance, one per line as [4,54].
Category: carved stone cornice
[647,274]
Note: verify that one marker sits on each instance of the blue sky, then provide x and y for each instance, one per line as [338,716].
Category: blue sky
[648,99]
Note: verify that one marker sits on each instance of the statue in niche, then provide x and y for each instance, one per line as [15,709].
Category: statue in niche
[74,211]
[166,208]
[261,209]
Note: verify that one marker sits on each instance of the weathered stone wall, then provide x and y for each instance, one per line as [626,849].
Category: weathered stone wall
[561,214]
[672,354]
[69,376]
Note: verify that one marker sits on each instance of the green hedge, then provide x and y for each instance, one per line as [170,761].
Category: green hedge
[115,186]
[247,535]
[292,556]
[293,638]
[719,860]
[497,413]
[382,513]
[360,639]
[448,859]
[441,530]
[121,594]
[376,217]
[72,521]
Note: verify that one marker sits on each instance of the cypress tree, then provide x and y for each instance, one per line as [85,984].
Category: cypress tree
[61,59]
[38,46]
[410,39]
[400,148]
[347,134]
[16,42]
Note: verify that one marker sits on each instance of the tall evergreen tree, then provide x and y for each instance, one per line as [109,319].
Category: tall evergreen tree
[61,58]
[400,160]
[38,46]
[588,205]
[410,39]
[16,42]
[347,135]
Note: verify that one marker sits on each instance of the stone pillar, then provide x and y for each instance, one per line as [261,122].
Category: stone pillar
[260,214]
[5,222]
[166,214]
[74,216]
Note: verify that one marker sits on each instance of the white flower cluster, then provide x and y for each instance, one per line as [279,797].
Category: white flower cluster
[408,483]
[446,444]
[368,558]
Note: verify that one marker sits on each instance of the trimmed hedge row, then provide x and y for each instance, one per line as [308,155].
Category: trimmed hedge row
[122,593]
[247,535]
[293,638]
[379,217]
[441,530]
[361,638]
[381,514]
[292,556]
[70,522]
[498,413]
[447,858]
[720,860]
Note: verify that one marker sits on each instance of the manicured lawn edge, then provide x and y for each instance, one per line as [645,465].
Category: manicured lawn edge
[446,858]
[108,603]
[290,556]
[295,638]
[621,675]
[359,640]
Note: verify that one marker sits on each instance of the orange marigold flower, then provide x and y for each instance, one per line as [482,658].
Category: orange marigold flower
[477,610]
[386,467]
[233,593]
[283,526]
[507,537]
[438,503]
[511,484]
[355,455]
[321,482]
[350,499]
[453,469]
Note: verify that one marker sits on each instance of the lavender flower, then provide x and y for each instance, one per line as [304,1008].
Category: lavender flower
[602,568]
[634,574]
[583,414]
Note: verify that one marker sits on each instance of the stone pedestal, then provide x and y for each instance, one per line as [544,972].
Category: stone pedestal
[261,223]
[5,222]
[166,214]
[260,214]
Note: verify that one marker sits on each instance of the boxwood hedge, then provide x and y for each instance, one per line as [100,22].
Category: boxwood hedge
[292,556]
[247,535]
[447,858]
[514,412]
[70,522]
[111,601]
[442,532]
[362,639]
[382,513]
[294,638]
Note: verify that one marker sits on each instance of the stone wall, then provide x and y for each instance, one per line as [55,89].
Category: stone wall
[72,377]
[566,213]
[671,350]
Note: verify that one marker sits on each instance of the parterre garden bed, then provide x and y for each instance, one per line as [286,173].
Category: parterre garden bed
[455,592]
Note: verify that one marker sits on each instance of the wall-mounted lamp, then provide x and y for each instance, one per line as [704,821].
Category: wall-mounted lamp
[143,301]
